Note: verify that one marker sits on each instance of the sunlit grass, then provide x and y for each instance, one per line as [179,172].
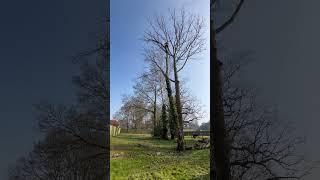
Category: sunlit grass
[139,156]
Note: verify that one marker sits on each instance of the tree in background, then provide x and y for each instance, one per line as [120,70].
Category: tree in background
[135,110]
[147,90]
[192,109]
[205,126]
[124,118]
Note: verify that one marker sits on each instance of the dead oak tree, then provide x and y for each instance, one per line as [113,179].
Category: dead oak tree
[179,37]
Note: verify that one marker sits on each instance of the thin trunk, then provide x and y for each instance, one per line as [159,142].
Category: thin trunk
[172,129]
[180,137]
[128,125]
[155,131]
[135,122]
[172,112]
[220,164]
[75,175]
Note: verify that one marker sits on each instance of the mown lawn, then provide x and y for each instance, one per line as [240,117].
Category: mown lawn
[139,156]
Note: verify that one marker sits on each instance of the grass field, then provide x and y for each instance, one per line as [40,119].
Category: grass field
[139,156]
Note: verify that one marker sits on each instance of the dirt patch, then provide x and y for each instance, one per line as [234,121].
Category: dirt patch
[117,155]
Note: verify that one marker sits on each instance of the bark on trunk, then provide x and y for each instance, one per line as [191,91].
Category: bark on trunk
[220,164]
[155,131]
[128,125]
[172,111]
[180,141]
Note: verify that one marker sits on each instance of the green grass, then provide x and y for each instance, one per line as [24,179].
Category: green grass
[142,157]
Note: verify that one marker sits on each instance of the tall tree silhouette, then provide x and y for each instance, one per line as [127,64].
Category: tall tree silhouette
[220,157]
[261,145]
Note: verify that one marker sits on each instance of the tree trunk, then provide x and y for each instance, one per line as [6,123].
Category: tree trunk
[128,125]
[220,164]
[155,128]
[180,137]
[172,111]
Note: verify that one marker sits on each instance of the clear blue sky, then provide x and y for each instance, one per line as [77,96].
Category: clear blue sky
[128,23]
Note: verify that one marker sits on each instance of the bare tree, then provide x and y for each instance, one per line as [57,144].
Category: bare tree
[192,109]
[180,38]
[53,158]
[261,146]
[135,109]
[75,144]
[123,116]
[147,89]
[93,90]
